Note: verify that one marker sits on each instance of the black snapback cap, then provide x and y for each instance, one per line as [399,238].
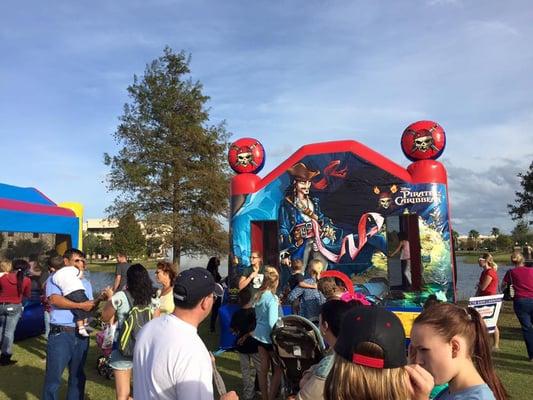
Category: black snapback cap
[375,325]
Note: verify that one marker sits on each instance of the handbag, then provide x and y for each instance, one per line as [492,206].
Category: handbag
[109,336]
[508,292]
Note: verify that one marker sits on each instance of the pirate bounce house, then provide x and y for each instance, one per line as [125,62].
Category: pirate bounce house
[348,206]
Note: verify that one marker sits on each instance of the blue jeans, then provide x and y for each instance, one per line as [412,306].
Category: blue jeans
[523,309]
[9,317]
[65,349]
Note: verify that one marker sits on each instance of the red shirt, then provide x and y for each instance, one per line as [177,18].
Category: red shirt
[8,289]
[492,289]
[522,280]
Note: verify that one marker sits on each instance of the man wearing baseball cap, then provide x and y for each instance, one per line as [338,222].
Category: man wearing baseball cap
[170,361]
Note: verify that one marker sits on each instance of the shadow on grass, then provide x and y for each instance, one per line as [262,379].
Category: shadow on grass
[21,382]
[36,346]
[515,367]
[511,333]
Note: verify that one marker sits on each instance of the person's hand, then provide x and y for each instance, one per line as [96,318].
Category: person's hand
[254,273]
[229,396]
[420,382]
[107,293]
[86,305]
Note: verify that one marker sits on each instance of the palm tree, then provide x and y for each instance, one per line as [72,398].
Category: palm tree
[495,232]
[474,235]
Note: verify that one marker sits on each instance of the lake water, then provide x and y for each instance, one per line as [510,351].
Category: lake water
[468,275]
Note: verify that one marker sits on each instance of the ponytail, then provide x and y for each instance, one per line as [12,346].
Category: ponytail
[20,281]
[450,320]
[482,356]
[20,266]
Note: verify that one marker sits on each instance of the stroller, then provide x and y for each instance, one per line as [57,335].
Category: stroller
[298,345]
[102,362]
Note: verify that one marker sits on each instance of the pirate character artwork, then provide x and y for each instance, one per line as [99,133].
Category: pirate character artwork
[297,212]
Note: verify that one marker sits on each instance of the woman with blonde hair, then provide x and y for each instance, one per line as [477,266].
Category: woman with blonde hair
[310,297]
[267,314]
[370,361]
[488,286]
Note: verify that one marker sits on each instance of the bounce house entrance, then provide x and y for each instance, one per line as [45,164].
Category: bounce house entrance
[404,226]
[265,241]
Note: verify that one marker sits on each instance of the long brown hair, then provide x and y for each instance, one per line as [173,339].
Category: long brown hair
[450,320]
[270,282]
[348,381]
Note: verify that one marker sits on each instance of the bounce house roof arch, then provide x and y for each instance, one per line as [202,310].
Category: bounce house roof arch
[29,210]
[420,171]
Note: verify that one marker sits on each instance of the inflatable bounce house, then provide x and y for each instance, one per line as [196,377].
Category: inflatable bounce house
[28,210]
[349,206]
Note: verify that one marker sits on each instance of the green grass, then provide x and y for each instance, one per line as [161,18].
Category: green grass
[111,265]
[471,257]
[25,379]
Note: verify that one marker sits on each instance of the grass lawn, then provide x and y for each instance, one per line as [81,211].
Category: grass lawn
[111,265]
[471,257]
[25,379]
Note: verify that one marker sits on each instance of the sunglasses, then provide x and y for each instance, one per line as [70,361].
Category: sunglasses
[79,260]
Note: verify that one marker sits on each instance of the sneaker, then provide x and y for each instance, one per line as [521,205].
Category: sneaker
[83,332]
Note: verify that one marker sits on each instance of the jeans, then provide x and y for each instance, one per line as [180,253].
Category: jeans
[523,309]
[65,349]
[9,317]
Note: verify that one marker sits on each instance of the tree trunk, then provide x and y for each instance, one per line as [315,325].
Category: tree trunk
[176,251]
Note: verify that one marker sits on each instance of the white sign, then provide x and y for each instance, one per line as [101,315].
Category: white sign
[489,308]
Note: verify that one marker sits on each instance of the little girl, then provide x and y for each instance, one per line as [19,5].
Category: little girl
[452,343]
[266,314]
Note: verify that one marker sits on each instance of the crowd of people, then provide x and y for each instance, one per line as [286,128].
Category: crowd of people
[366,356]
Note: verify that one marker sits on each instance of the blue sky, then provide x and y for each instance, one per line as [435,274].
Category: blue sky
[285,72]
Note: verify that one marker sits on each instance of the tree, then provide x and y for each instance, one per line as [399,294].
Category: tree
[171,170]
[504,242]
[25,247]
[90,244]
[495,232]
[153,246]
[474,235]
[520,232]
[104,248]
[524,199]
[128,238]
[455,239]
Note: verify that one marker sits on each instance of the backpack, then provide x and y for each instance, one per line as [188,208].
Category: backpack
[137,317]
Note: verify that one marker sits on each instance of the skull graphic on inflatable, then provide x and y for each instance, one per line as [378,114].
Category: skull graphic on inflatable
[246,155]
[423,140]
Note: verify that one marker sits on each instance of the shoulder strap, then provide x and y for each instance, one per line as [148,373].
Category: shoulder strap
[131,302]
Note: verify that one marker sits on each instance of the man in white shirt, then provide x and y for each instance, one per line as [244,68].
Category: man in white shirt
[170,361]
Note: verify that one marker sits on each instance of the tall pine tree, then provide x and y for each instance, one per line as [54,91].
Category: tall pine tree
[171,170]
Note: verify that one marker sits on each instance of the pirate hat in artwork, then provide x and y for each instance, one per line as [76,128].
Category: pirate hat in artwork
[301,173]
